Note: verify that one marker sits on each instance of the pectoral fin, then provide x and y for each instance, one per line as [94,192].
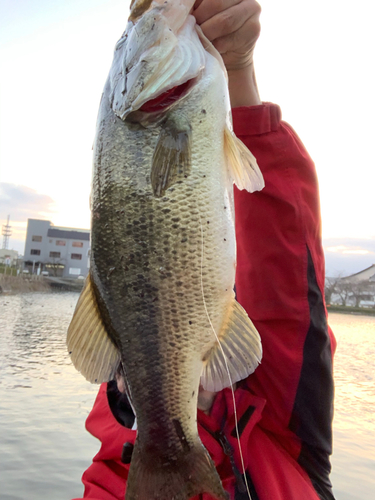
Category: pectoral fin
[90,348]
[239,351]
[243,167]
[172,156]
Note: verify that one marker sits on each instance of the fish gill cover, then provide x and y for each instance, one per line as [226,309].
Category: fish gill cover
[157,52]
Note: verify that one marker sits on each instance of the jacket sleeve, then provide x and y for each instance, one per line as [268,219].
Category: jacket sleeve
[280,283]
[106,477]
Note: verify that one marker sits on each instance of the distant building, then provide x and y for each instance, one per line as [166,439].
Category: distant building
[60,251]
[8,257]
[355,290]
[367,274]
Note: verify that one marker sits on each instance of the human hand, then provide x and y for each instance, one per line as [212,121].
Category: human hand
[232,26]
[120,382]
[205,399]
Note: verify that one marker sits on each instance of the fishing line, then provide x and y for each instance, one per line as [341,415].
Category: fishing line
[227,367]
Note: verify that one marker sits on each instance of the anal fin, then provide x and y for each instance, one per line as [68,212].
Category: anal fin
[239,350]
[90,348]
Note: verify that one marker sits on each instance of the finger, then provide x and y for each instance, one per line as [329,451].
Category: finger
[231,20]
[241,40]
[205,399]
[120,383]
[197,4]
[205,9]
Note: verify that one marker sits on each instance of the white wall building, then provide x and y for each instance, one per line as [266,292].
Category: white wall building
[355,290]
[367,274]
[60,251]
[8,257]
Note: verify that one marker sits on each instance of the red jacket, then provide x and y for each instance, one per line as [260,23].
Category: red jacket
[285,407]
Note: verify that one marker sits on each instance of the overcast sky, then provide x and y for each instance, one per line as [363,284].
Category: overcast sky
[314,59]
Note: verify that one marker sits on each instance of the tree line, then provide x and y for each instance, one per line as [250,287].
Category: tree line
[348,292]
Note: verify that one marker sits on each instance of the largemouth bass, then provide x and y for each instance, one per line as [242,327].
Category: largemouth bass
[159,297]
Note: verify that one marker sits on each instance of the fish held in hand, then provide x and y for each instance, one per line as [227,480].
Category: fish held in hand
[159,296]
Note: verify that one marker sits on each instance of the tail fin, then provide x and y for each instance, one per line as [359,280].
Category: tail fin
[180,478]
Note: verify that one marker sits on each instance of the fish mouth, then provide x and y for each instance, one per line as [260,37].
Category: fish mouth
[165,100]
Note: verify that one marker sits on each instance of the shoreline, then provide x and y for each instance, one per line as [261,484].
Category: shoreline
[12,285]
[362,311]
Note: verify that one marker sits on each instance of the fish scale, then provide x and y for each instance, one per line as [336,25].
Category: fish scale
[162,262]
[172,313]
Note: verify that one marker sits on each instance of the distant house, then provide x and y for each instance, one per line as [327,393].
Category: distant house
[8,257]
[355,290]
[367,274]
[60,251]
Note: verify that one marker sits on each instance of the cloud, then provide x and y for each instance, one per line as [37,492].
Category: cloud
[22,203]
[345,256]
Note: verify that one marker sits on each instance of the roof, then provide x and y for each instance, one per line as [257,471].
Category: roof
[360,272]
[68,234]
[365,274]
[66,228]
[4,252]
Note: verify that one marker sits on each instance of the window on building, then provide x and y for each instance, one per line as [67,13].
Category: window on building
[36,238]
[76,256]
[55,255]
[60,243]
[34,252]
[75,271]
[54,266]
[78,244]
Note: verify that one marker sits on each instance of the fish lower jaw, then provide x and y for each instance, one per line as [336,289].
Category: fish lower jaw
[152,110]
[168,98]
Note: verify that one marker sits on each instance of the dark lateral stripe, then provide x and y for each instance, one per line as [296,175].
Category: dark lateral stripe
[243,421]
[181,435]
[312,414]
[243,495]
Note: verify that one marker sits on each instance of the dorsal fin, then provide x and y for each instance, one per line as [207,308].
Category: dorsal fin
[90,348]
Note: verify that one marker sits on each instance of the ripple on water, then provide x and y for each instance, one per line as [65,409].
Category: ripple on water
[353,458]
[44,403]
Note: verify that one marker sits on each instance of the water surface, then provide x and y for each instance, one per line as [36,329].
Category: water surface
[353,460]
[44,403]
